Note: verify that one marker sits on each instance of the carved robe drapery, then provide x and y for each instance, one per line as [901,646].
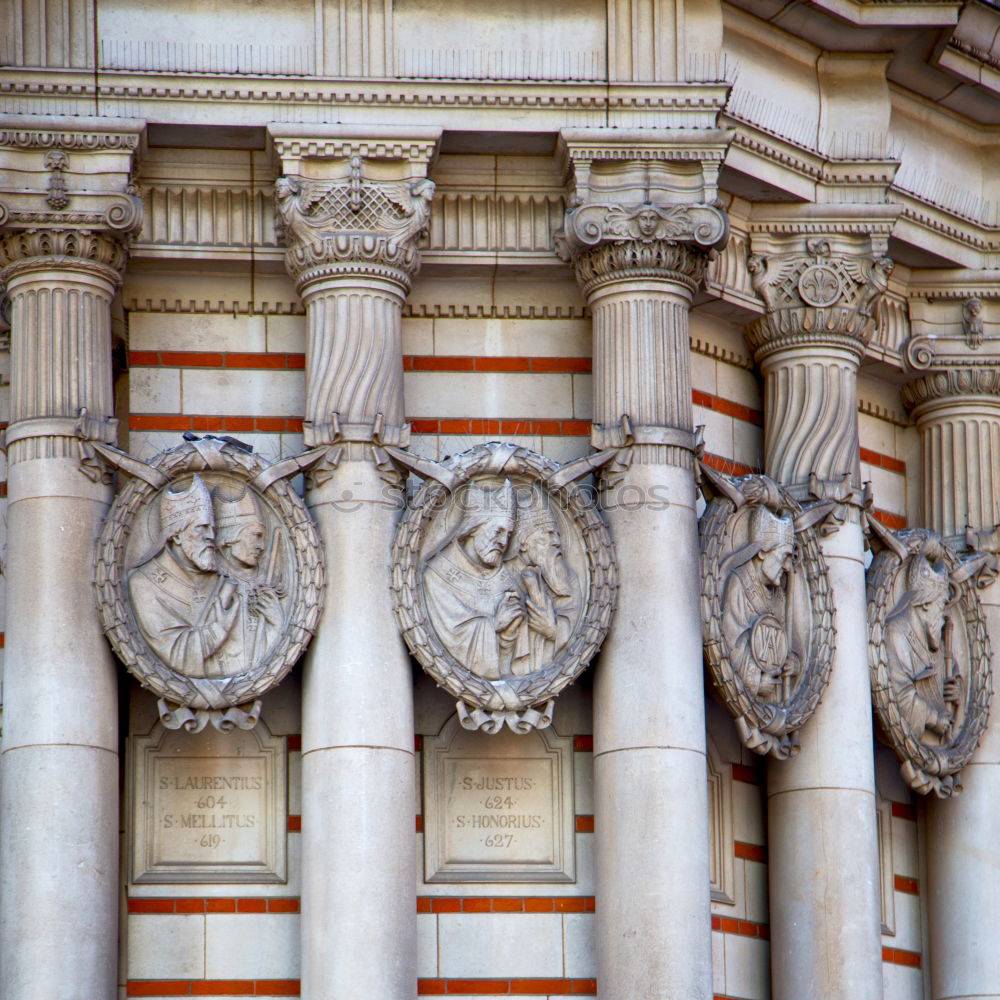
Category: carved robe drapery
[185,617]
[462,600]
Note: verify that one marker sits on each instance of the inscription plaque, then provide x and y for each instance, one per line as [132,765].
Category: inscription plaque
[498,809]
[208,806]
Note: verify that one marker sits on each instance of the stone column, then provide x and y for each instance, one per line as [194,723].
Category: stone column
[819,295]
[958,417]
[639,248]
[62,253]
[352,205]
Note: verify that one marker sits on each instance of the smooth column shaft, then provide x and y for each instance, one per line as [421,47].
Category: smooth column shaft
[653,917]
[963,868]
[358,909]
[59,809]
[822,839]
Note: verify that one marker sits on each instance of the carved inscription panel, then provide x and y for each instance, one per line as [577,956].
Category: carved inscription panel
[208,807]
[498,809]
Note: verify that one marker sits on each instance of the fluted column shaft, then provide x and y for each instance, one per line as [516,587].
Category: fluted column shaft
[352,230]
[823,862]
[958,418]
[59,848]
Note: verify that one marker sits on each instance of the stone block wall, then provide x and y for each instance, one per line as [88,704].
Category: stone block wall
[471,379]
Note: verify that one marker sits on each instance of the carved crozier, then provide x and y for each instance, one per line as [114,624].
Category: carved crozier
[767,616]
[504,584]
[929,655]
[209,581]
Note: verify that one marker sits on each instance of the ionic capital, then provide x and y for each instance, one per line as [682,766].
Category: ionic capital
[818,291]
[353,203]
[643,205]
[75,204]
[607,243]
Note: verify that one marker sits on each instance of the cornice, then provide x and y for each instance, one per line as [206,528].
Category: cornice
[690,105]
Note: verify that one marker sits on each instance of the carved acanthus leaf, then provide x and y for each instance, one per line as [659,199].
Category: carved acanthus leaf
[946,385]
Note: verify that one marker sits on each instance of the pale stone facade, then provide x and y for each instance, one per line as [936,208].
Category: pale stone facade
[365,237]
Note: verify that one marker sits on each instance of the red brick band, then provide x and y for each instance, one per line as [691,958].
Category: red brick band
[487,425]
[504,987]
[505,904]
[742,928]
[899,956]
[741,772]
[213,904]
[902,883]
[212,987]
[481,363]
[750,852]
[729,407]
[881,461]
[212,422]
[903,810]
[271,361]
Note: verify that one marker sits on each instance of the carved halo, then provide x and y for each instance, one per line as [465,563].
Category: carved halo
[129,538]
[588,550]
[928,763]
[806,625]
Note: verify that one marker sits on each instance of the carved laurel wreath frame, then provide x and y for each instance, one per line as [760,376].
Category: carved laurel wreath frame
[306,579]
[928,768]
[515,706]
[764,727]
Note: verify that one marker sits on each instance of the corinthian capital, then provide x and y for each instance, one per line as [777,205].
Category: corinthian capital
[371,224]
[353,201]
[817,289]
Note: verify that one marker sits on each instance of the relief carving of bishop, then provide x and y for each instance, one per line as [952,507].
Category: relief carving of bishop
[929,656]
[209,579]
[499,590]
[202,600]
[768,626]
[497,580]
